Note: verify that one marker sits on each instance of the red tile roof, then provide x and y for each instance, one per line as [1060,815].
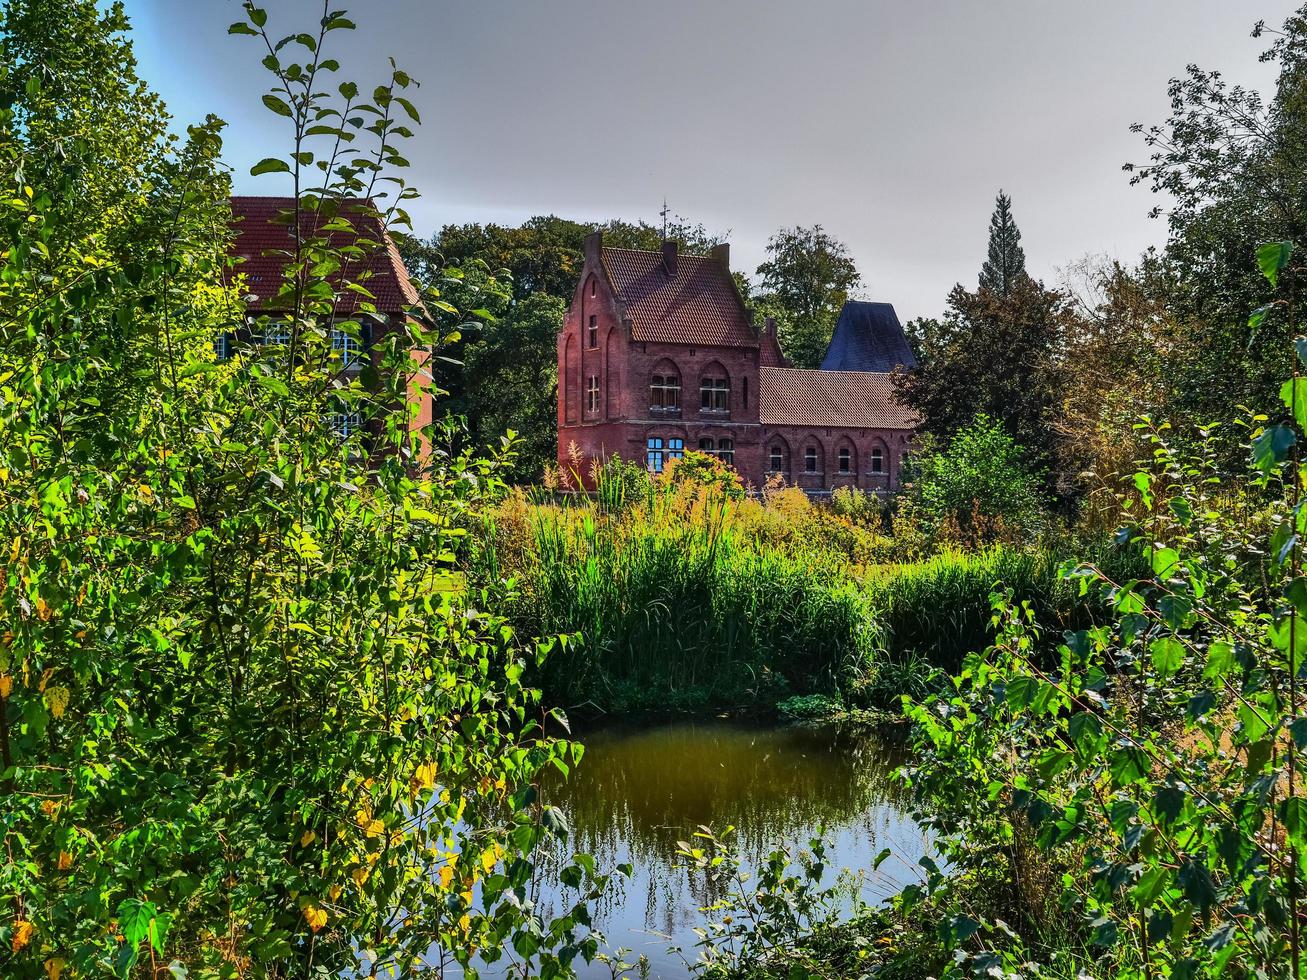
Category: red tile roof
[260,237]
[857,399]
[699,306]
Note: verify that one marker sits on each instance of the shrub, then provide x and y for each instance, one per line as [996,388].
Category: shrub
[705,472]
[978,488]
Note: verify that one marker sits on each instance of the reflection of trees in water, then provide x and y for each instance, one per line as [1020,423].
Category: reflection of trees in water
[641,792]
[636,793]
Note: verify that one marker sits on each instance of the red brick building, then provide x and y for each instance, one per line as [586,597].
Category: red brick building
[264,244]
[657,356]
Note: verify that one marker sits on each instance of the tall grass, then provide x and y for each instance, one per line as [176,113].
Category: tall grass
[676,608]
[683,599]
[938,609]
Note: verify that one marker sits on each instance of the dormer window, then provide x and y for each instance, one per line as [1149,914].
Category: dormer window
[592,332]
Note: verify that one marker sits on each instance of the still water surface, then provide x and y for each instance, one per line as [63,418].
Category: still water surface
[640,790]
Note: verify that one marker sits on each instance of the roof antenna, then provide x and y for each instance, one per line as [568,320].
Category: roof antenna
[664,212]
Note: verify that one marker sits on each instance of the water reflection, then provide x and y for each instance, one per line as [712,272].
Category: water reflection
[640,790]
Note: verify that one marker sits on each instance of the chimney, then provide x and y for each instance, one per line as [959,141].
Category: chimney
[769,327]
[594,243]
[669,259]
[722,253]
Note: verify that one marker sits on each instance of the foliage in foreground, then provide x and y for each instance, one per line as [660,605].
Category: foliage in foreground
[251,724]
[1159,763]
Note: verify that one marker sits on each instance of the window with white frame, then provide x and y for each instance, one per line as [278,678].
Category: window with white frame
[715,394]
[726,451]
[665,392]
[810,459]
[877,460]
[276,332]
[347,348]
[846,460]
[223,348]
[776,459]
[346,424]
[592,393]
[592,332]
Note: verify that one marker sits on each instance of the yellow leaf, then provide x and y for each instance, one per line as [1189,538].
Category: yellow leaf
[6,685]
[334,891]
[446,876]
[375,829]
[488,860]
[22,934]
[45,678]
[465,923]
[316,917]
[65,860]
[360,876]
[363,817]
[43,611]
[57,699]
[49,807]
[308,838]
[54,967]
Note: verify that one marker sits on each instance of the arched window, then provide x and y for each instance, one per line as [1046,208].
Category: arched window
[877,459]
[665,389]
[776,458]
[706,446]
[715,390]
[726,451]
[592,332]
[846,460]
[811,460]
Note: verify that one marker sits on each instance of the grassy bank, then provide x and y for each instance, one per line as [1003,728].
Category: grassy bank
[685,598]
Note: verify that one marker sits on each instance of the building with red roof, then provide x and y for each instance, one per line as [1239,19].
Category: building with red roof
[263,245]
[657,356]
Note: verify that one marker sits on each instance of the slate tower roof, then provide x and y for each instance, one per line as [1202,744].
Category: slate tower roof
[868,337]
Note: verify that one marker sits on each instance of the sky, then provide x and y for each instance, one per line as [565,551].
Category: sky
[891,123]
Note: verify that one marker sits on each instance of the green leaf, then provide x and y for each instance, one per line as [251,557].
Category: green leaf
[1258,317]
[159,927]
[1272,446]
[278,106]
[1220,660]
[1272,258]
[1167,655]
[258,16]
[1151,884]
[1164,561]
[134,919]
[240,27]
[1294,395]
[270,165]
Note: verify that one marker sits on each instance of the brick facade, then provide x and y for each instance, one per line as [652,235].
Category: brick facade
[640,318]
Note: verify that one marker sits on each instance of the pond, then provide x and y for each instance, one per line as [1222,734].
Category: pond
[641,789]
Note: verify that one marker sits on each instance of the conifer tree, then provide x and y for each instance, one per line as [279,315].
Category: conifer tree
[1006,264]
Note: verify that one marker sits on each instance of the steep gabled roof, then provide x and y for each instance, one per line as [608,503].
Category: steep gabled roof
[699,305]
[868,337]
[858,399]
[261,236]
